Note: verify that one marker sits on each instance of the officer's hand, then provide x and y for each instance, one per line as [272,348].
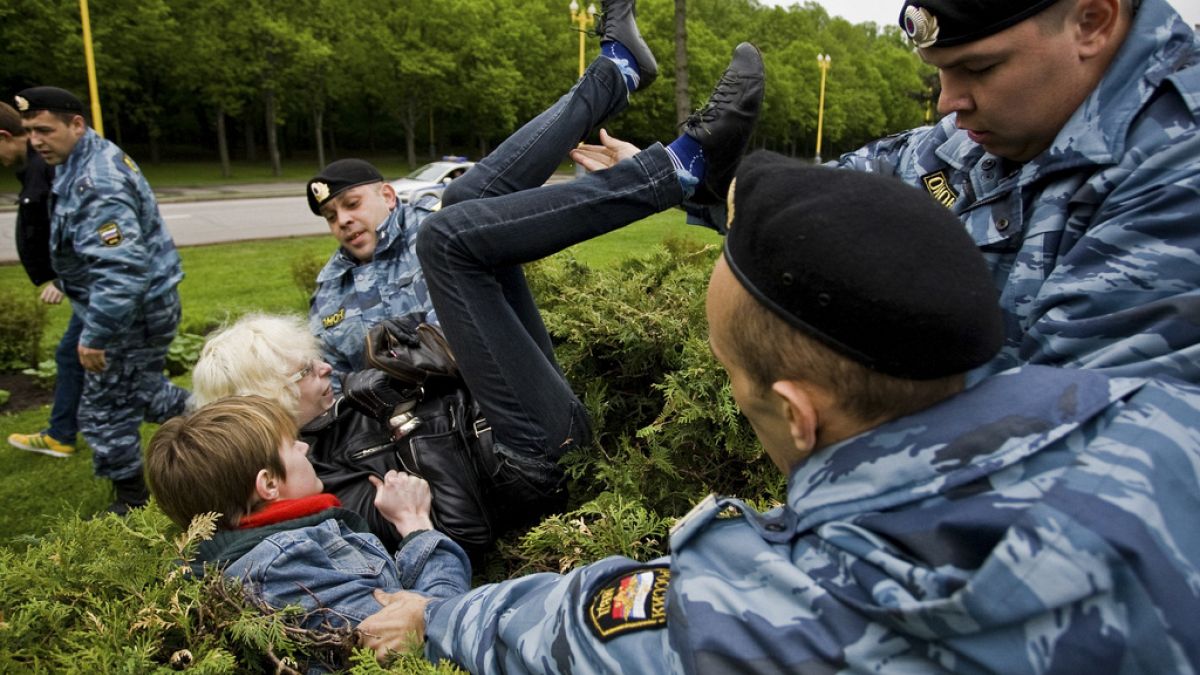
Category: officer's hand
[92,359]
[50,294]
[399,626]
[609,152]
[404,500]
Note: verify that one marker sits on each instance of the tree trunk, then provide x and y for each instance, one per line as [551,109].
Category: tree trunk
[155,146]
[114,121]
[223,143]
[332,144]
[432,139]
[272,133]
[319,129]
[683,102]
[484,147]
[410,132]
[251,146]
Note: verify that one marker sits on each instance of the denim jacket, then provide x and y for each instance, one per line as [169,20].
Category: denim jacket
[330,565]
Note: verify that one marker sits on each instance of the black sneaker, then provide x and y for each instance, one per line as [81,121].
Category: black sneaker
[617,21]
[131,493]
[724,125]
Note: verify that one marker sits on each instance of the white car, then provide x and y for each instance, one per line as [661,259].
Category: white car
[432,177]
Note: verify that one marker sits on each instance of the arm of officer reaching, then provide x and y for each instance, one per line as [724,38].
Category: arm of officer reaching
[606,617]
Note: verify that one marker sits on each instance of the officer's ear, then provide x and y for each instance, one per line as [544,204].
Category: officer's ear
[800,408]
[1095,24]
[389,195]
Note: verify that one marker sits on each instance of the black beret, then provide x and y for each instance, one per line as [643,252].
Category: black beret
[946,23]
[48,98]
[874,269]
[338,177]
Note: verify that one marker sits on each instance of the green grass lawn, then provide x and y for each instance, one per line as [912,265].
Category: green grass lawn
[223,282]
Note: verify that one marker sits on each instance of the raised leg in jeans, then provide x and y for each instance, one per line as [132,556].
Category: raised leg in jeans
[471,253]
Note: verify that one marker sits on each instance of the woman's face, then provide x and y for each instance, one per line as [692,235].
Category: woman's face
[316,390]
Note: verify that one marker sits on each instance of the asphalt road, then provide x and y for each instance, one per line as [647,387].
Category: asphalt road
[208,222]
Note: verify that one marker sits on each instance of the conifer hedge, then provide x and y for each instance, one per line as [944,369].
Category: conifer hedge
[111,595]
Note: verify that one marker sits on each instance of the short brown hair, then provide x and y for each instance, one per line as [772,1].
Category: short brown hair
[772,350]
[64,117]
[209,461]
[10,121]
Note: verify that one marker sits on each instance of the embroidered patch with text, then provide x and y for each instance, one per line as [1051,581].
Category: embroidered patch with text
[334,319]
[110,234]
[939,188]
[631,601]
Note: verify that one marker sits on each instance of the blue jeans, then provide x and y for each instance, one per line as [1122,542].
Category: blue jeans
[498,216]
[68,385]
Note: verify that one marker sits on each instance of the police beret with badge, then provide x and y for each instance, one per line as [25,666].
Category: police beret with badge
[872,268]
[338,177]
[946,23]
[48,98]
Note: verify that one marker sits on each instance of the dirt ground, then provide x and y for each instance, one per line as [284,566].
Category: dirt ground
[26,392]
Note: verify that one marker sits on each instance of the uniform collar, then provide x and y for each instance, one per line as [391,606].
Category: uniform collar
[388,234]
[66,174]
[994,425]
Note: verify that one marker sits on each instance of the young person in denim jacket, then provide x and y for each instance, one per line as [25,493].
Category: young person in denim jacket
[288,542]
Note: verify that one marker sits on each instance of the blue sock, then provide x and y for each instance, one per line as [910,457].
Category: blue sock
[690,165]
[625,61]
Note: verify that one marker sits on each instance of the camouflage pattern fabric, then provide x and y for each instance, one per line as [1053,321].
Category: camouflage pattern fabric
[351,297]
[119,267]
[1036,523]
[1093,243]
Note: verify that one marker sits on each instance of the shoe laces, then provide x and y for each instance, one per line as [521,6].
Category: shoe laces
[723,93]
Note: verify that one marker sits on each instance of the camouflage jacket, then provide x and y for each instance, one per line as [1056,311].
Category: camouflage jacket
[351,297]
[1093,244]
[1037,523]
[108,242]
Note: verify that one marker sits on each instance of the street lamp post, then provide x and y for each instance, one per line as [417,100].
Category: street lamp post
[823,61]
[582,18]
[90,61]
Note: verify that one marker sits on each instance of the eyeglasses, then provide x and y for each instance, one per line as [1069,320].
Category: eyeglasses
[303,372]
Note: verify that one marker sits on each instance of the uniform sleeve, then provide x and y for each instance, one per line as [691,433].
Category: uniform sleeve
[1125,297]
[108,236]
[539,623]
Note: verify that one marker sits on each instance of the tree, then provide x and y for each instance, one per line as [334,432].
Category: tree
[683,102]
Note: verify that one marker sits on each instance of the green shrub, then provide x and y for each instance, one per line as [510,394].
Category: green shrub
[45,373]
[184,352]
[22,322]
[4,396]
[304,273]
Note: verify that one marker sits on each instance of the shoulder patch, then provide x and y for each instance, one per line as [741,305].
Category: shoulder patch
[630,601]
[938,187]
[110,234]
[334,319]
[129,163]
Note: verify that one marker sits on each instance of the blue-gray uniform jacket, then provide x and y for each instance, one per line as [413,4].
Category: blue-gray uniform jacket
[352,297]
[1094,243]
[1040,522]
[108,242]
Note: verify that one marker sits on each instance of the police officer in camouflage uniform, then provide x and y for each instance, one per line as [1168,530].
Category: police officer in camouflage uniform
[374,274]
[1039,521]
[1070,149]
[119,268]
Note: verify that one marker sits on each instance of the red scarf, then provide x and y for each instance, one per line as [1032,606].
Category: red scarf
[288,509]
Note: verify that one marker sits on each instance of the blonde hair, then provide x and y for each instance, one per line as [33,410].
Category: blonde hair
[209,461]
[257,355]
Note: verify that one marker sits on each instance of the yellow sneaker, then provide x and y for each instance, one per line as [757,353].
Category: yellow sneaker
[42,443]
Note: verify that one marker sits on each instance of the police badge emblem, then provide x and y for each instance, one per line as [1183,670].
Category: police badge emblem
[320,191]
[110,234]
[22,103]
[921,26]
[632,600]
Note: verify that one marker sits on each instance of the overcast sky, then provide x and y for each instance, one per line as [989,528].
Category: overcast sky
[886,12]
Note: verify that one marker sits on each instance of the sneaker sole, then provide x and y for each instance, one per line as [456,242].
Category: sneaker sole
[42,451]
